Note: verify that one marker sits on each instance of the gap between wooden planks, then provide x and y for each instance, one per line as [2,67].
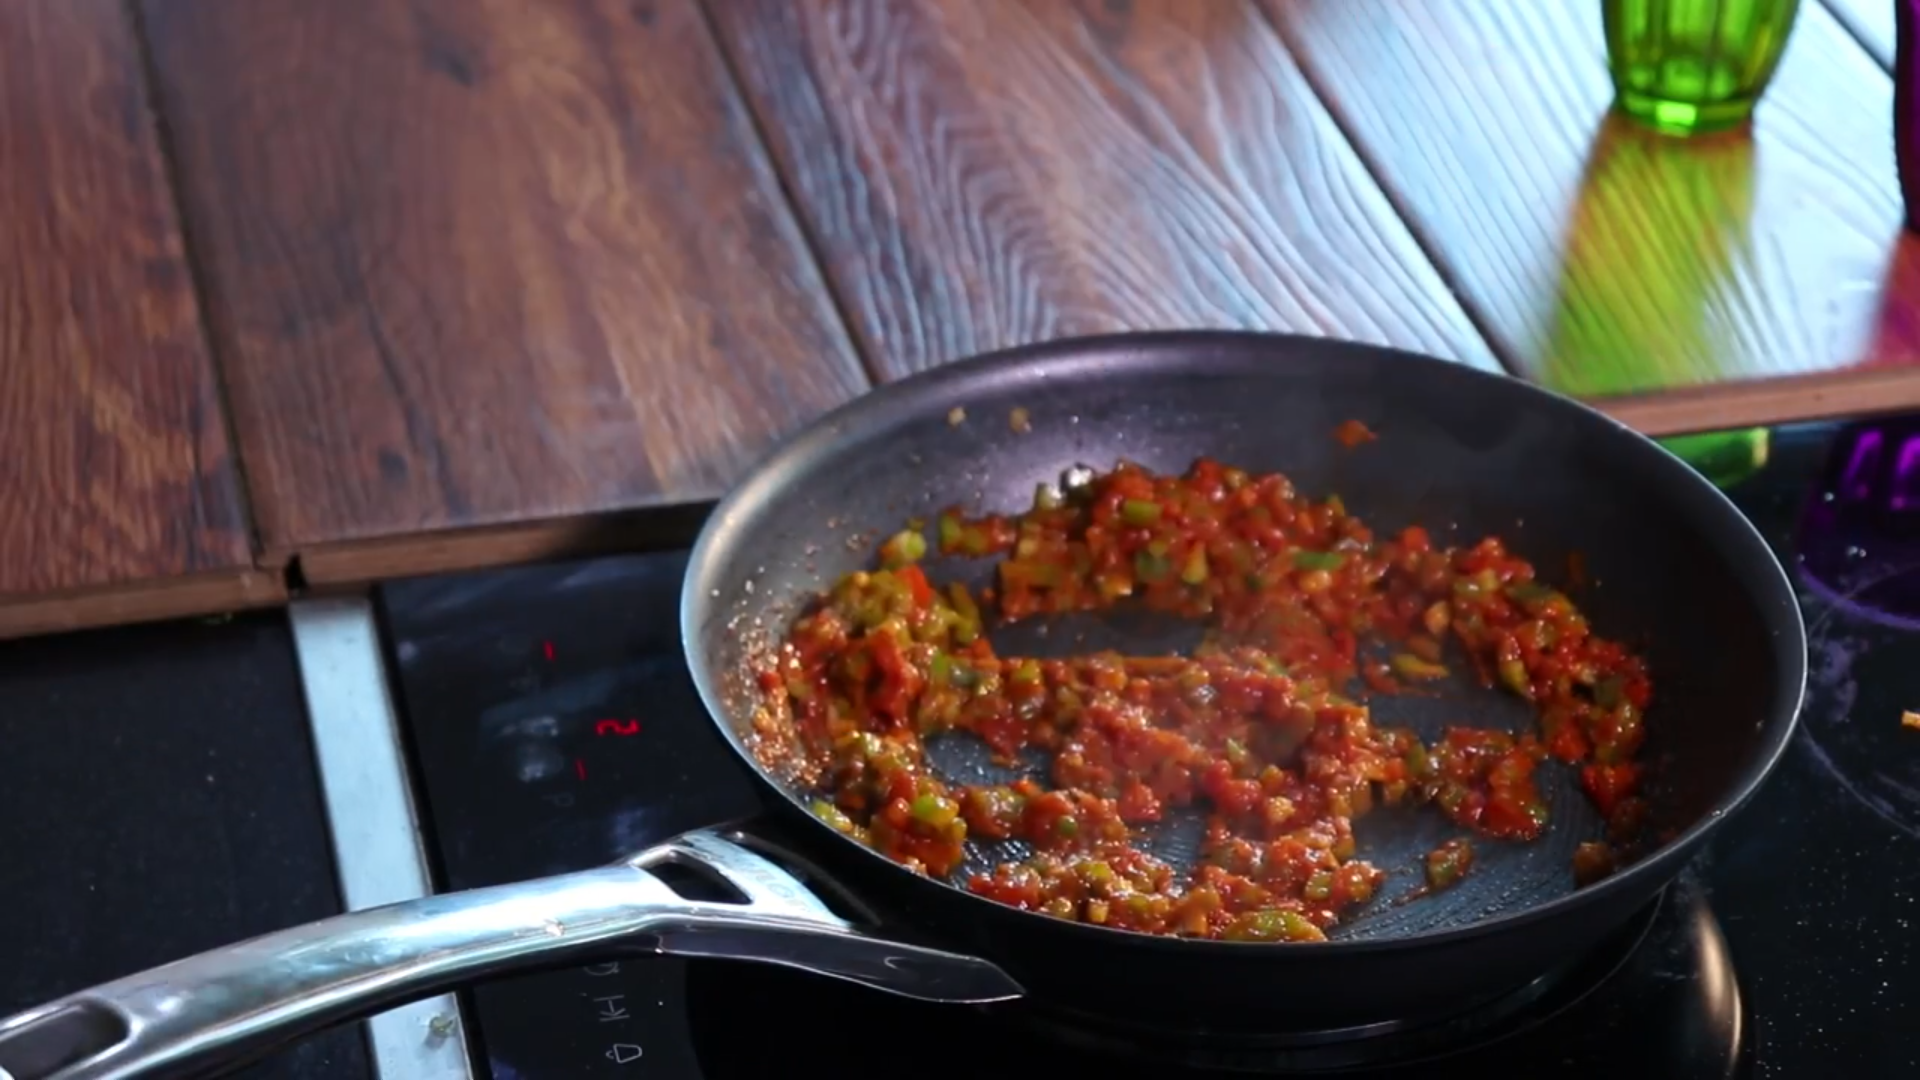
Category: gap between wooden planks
[1765,402]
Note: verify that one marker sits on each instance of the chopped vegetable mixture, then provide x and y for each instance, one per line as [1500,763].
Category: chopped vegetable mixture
[1260,727]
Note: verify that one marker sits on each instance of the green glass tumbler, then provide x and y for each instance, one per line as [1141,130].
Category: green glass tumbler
[1688,67]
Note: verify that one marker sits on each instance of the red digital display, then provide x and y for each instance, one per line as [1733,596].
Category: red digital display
[616,727]
[580,768]
[546,649]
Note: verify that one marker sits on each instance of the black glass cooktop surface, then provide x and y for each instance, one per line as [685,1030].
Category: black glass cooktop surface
[554,728]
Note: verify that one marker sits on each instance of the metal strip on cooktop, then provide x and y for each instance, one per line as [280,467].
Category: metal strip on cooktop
[377,844]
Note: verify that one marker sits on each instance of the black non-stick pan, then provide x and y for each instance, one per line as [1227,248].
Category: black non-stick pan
[1671,566]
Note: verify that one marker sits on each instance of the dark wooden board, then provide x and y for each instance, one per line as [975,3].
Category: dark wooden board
[983,173]
[1605,260]
[115,469]
[486,265]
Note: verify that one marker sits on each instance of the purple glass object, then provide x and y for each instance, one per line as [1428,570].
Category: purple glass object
[1906,105]
[1859,542]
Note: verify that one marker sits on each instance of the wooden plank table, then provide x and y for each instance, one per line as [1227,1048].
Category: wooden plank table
[485,276]
[984,173]
[489,280]
[1603,260]
[119,495]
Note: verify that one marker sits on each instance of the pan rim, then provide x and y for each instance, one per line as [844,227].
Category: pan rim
[1204,352]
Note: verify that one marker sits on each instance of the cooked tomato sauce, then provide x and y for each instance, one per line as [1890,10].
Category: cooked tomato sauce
[1263,727]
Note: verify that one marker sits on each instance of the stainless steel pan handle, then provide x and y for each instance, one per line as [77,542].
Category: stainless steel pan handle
[221,1009]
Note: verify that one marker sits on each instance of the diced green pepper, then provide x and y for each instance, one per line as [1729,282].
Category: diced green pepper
[865,745]
[1067,827]
[952,532]
[1318,560]
[1151,568]
[1096,872]
[1027,672]
[1270,925]
[1448,863]
[933,810]
[902,548]
[1529,594]
[1610,692]
[1140,511]
[832,815]
[1514,674]
[1419,762]
[1236,753]
[1299,929]
[1539,633]
[1319,886]
[1409,666]
[1194,570]
[967,625]
[1046,498]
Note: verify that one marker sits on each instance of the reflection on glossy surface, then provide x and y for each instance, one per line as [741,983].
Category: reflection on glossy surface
[1859,541]
[1789,270]
[1659,1000]
[1817,884]
[1626,314]
[1724,457]
[1858,552]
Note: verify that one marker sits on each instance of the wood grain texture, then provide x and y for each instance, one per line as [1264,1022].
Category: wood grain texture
[114,462]
[478,262]
[983,173]
[1606,260]
[1872,22]
[148,600]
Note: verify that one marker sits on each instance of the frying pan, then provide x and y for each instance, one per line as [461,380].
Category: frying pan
[1671,566]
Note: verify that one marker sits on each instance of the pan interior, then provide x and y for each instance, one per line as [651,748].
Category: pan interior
[1671,567]
[1396,840]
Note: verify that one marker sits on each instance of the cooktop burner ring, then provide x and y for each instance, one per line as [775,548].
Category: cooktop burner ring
[1383,1043]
